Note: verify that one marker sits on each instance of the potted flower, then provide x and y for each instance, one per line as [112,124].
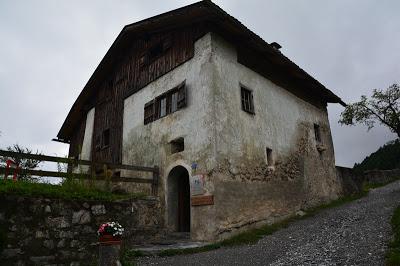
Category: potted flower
[110,233]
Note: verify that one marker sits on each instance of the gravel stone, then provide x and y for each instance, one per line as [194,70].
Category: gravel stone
[356,233]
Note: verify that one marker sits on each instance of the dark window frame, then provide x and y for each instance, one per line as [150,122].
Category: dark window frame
[269,156]
[154,52]
[105,138]
[317,133]
[166,104]
[177,145]
[247,100]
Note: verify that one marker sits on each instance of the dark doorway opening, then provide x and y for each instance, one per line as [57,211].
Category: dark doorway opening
[179,200]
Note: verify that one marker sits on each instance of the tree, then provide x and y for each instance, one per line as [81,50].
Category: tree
[23,163]
[385,158]
[382,107]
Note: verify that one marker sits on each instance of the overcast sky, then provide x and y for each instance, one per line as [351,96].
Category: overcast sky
[49,49]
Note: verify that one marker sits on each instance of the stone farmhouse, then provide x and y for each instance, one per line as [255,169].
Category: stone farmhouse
[240,133]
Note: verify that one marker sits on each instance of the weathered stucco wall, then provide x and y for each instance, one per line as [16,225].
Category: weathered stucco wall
[47,231]
[247,191]
[87,138]
[229,145]
[148,145]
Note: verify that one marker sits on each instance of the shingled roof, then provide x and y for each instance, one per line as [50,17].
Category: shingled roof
[203,11]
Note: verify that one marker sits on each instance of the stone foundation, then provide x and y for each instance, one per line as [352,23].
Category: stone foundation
[42,231]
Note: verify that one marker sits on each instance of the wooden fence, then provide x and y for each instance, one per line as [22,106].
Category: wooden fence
[75,162]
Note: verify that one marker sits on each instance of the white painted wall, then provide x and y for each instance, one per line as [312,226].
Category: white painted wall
[149,144]
[216,131]
[87,138]
[278,113]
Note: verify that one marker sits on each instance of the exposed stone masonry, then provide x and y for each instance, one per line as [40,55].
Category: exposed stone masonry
[43,231]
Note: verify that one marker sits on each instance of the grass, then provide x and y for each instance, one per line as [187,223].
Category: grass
[72,189]
[393,254]
[173,252]
[128,256]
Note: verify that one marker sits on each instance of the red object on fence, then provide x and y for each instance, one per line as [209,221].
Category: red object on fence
[10,164]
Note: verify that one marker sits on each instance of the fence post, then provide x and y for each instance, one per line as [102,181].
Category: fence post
[154,185]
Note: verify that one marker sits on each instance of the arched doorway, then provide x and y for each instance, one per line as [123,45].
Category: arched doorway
[178,200]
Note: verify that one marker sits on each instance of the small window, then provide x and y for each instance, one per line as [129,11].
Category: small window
[247,100]
[181,96]
[148,112]
[270,159]
[143,60]
[156,51]
[97,144]
[163,106]
[317,132]
[177,145]
[174,101]
[106,138]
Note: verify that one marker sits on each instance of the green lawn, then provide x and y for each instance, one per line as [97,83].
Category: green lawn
[393,254]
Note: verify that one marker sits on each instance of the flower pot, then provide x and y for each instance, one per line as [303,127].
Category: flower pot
[109,240]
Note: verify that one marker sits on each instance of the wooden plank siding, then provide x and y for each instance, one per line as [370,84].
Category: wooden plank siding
[127,77]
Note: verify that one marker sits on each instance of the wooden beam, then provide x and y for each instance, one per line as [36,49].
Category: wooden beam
[78,175]
[74,161]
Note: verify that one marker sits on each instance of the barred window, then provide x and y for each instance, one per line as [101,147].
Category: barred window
[247,100]
[148,112]
[317,132]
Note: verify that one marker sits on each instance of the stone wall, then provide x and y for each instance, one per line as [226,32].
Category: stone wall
[381,176]
[351,183]
[43,231]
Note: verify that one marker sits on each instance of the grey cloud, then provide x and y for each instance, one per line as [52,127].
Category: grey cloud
[50,48]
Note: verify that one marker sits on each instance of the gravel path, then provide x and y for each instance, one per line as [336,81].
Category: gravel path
[353,234]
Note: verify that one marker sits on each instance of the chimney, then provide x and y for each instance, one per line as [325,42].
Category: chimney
[276,46]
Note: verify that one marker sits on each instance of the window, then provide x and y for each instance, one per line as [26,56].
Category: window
[148,112]
[165,104]
[270,159]
[105,139]
[177,145]
[143,60]
[247,100]
[317,132]
[97,144]
[154,52]
[174,101]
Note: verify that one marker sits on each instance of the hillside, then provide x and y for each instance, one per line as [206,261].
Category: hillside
[385,158]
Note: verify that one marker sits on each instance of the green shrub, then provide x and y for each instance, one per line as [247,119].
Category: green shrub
[393,254]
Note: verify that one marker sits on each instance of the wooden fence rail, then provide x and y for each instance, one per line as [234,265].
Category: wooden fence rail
[75,162]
